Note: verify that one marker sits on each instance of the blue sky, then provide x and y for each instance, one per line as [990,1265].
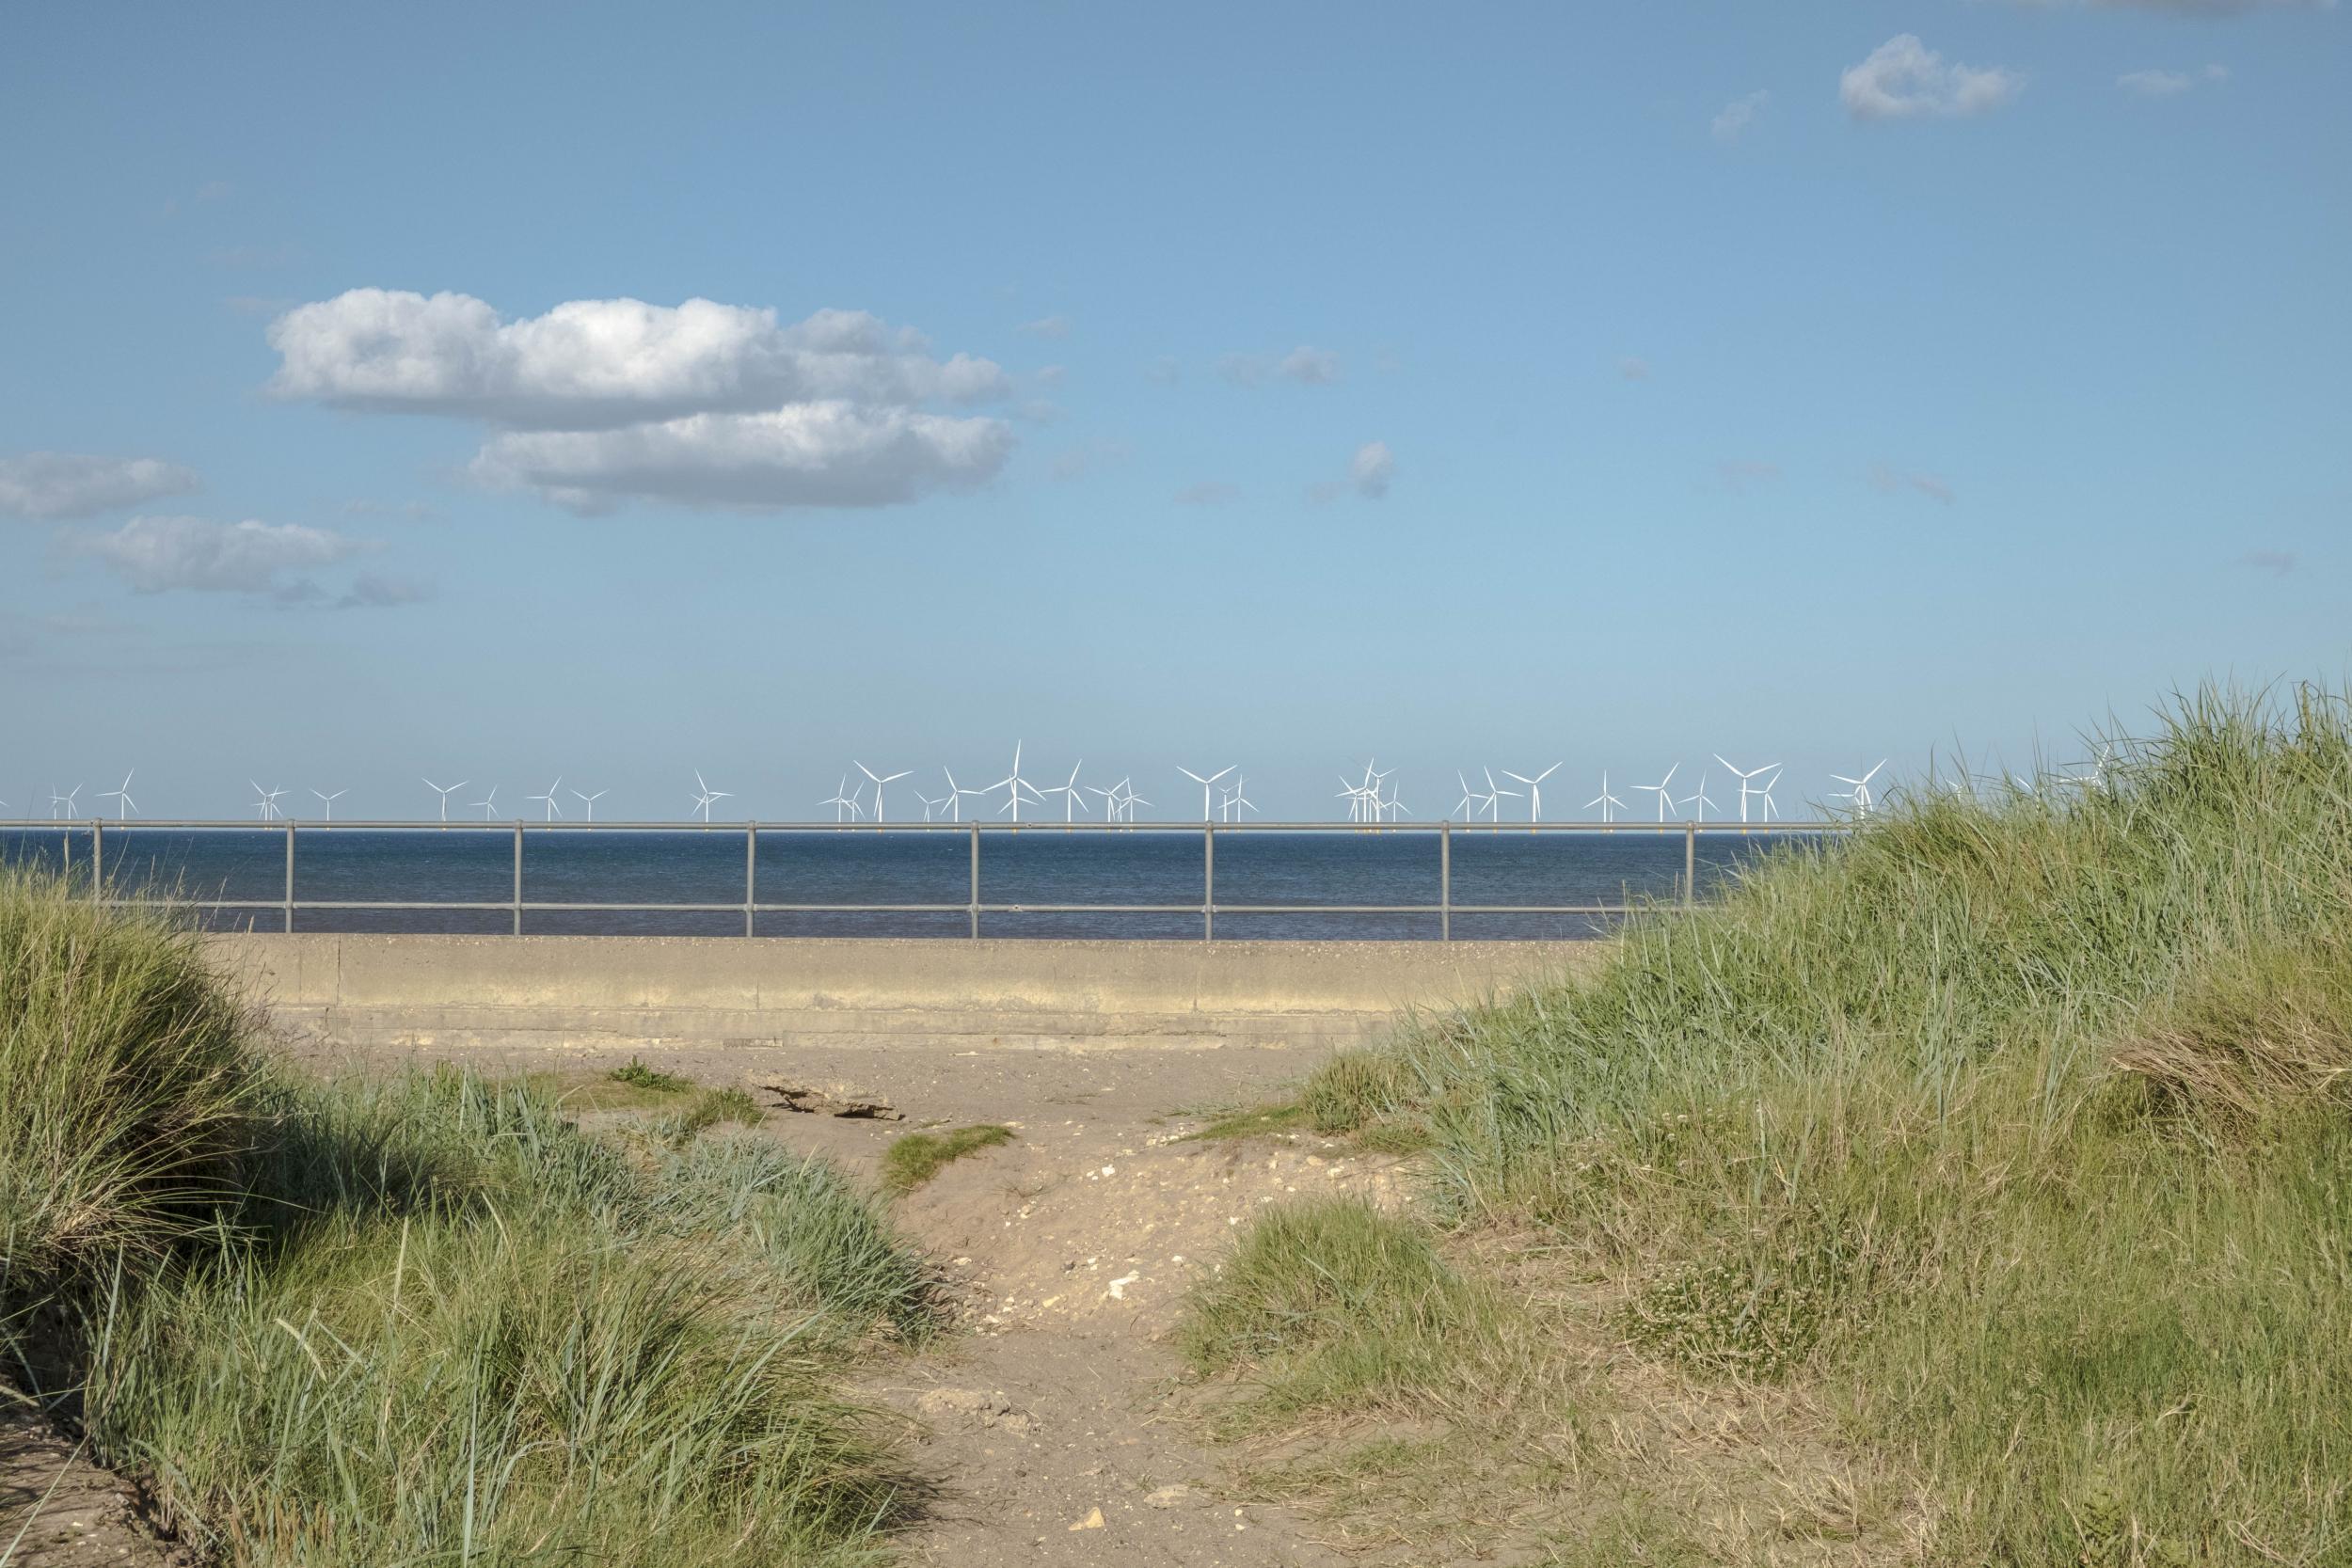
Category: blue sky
[1457,386]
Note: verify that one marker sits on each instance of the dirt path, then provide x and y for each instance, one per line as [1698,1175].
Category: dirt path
[57,1509]
[1047,1425]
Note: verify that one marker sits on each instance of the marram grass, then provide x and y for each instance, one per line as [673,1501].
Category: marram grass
[418,1321]
[2019,1127]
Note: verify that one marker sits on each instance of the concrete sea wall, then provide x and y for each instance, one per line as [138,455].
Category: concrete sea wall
[369,991]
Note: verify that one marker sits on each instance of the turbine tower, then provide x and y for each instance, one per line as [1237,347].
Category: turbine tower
[707,796]
[1204,784]
[1494,795]
[1610,805]
[488,803]
[1699,799]
[124,805]
[1534,790]
[327,803]
[879,781]
[842,800]
[1069,791]
[589,801]
[1746,787]
[446,791]
[1659,789]
[553,810]
[1860,791]
[1014,785]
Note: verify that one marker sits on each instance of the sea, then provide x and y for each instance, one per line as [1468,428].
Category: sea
[1306,885]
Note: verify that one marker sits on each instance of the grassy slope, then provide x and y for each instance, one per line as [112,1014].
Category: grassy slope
[348,1325]
[2015,1128]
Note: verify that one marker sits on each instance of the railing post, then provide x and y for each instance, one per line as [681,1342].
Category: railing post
[97,859]
[1445,881]
[1208,882]
[751,873]
[1690,864]
[518,876]
[289,841]
[976,881]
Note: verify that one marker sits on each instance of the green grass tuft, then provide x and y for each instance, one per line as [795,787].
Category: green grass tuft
[637,1075]
[711,1108]
[918,1157]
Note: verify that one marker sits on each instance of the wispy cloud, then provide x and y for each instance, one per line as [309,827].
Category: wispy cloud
[158,554]
[1208,492]
[1307,367]
[2168,84]
[1092,458]
[1369,473]
[2277,563]
[1164,370]
[54,485]
[1733,119]
[1047,326]
[1904,79]
[1631,369]
[381,591]
[1742,474]
[1888,481]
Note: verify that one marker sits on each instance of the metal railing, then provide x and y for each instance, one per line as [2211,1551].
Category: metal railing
[750,907]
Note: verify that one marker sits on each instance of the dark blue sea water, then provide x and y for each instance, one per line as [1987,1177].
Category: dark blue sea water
[1313,875]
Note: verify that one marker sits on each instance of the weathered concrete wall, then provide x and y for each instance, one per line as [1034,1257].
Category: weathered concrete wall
[508,992]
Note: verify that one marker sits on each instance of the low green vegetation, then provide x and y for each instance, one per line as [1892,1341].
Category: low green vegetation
[711,1108]
[418,1321]
[918,1157]
[2012,1136]
[637,1075]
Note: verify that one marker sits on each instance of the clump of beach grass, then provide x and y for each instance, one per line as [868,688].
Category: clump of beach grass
[916,1157]
[711,1108]
[2015,1130]
[345,1323]
[636,1074]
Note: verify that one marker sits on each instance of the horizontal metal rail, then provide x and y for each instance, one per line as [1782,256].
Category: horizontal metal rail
[97,831]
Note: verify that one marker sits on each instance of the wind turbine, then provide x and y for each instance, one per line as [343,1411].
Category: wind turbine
[1494,795]
[879,781]
[1699,799]
[1859,792]
[1235,799]
[266,807]
[488,803]
[1014,785]
[1660,787]
[446,790]
[124,805]
[1766,794]
[1129,801]
[842,800]
[553,810]
[1204,784]
[955,794]
[707,796]
[1534,790]
[1746,788]
[589,801]
[1608,803]
[1071,804]
[328,802]
[1354,796]
[1467,804]
[64,802]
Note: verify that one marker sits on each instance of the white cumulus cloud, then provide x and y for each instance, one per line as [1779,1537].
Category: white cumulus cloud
[157,554]
[807,454]
[599,401]
[62,485]
[1904,79]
